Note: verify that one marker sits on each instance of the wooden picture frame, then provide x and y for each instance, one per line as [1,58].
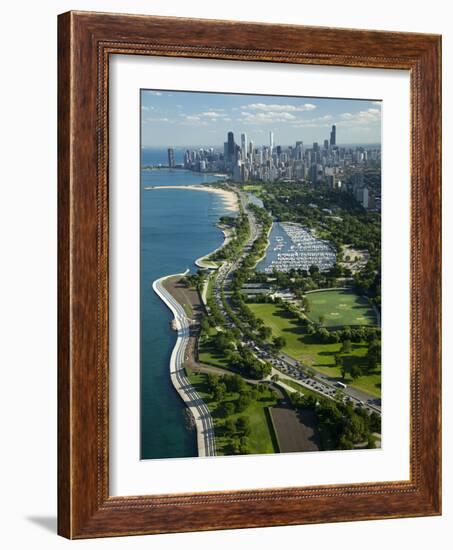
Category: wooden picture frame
[85,41]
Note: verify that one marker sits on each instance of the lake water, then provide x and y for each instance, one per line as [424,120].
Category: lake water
[177,227]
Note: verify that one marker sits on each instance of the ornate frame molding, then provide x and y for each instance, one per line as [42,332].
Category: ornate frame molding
[86,40]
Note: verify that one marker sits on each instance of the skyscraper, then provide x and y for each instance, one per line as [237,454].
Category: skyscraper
[230,146]
[171,158]
[243,146]
[271,142]
[299,150]
[333,136]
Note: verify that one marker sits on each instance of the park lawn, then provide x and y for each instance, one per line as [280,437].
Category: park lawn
[261,436]
[209,355]
[340,308]
[320,357]
[252,188]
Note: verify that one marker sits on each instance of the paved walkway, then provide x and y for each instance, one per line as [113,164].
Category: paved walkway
[200,412]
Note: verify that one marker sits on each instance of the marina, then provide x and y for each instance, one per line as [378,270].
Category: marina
[293,246]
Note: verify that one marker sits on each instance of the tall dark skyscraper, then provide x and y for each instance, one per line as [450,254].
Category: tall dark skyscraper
[231,148]
[333,136]
[171,157]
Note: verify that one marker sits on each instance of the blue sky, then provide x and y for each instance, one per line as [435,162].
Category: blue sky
[203,119]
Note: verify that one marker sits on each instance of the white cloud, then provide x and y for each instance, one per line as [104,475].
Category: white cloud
[212,114]
[267,117]
[369,116]
[204,118]
[279,107]
[159,119]
[153,92]
[324,121]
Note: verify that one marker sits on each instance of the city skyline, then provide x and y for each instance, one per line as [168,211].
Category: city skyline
[190,119]
[342,168]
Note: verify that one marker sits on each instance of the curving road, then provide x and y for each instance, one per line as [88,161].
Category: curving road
[200,412]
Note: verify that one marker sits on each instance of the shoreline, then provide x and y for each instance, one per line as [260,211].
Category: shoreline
[230,202]
[201,415]
[203,261]
[229,198]
[204,424]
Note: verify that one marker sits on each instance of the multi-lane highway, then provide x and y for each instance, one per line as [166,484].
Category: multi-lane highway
[200,412]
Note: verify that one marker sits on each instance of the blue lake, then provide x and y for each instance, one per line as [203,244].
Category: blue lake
[177,227]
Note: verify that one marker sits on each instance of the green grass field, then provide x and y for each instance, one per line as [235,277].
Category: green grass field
[320,357]
[261,435]
[252,188]
[208,354]
[339,308]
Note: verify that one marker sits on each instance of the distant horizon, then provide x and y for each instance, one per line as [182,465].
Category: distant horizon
[189,119]
[307,145]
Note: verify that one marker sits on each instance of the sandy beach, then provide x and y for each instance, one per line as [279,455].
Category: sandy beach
[229,198]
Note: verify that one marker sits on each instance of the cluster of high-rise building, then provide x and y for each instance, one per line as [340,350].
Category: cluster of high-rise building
[341,168]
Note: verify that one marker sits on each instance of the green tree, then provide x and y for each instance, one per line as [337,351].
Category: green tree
[235,383]
[235,446]
[279,342]
[243,425]
[345,346]
[374,354]
[244,446]
[355,371]
[204,324]
[219,391]
[230,426]
[243,402]
[211,381]
[265,332]
[226,409]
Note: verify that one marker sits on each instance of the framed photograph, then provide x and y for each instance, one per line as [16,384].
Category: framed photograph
[249,275]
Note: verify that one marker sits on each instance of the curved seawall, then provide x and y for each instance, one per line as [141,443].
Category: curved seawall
[202,417]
